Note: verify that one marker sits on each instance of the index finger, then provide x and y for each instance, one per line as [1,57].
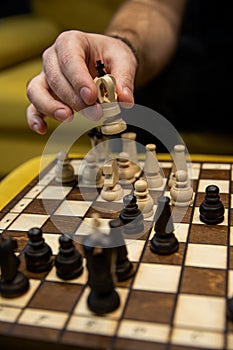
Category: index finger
[72,53]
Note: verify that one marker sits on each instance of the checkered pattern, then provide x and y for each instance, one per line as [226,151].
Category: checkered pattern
[172,302]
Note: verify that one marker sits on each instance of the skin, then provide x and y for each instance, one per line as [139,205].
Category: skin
[66,82]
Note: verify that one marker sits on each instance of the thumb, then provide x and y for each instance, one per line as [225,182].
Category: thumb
[124,73]
[125,87]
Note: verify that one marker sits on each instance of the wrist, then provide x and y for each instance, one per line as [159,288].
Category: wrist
[126,41]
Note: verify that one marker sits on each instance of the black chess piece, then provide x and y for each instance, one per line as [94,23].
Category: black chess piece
[131,216]
[100,68]
[164,241]
[101,257]
[13,283]
[229,308]
[68,262]
[124,267]
[38,254]
[212,209]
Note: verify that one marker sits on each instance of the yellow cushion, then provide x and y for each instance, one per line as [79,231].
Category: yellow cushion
[23,37]
[88,15]
[13,99]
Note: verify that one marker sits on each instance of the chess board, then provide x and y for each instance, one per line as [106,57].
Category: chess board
[172,302]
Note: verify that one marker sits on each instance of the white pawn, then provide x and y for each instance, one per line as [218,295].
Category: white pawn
[144,200]
[151,168]
[126,169]
[91,173]
[129,146]
[112,190]
[64,172]
[179,163]
[181,192]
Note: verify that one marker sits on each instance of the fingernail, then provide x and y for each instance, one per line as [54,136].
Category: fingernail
[60,114]
[36,127]
[85,94]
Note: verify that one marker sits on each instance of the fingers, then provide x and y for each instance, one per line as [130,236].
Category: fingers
[40,96]
[66,84]
[35,120]
[67,73]
[124,68]
[44,104]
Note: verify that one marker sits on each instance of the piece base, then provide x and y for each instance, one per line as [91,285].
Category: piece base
[124,271]
[164,246]
[15,288]
[40,268]
[102,304]
[209,221]
[69,276]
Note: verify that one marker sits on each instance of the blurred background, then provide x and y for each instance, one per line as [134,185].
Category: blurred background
[27,27]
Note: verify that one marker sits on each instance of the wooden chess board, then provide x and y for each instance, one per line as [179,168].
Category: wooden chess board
[172,302]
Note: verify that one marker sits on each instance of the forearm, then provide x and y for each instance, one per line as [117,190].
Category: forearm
[152,26]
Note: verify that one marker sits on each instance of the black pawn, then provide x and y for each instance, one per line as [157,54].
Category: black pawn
[212,209]
[68,262]
[131,216]
[124,267]
[101,258]
[38,254]
[164,241]
[13,283]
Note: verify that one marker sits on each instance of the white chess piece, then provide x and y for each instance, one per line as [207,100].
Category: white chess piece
[181,192]
[179,163]
[129,146]
[111,190]
[126,170]
[144,200]
[152,168]
[91,172]
[64,172]
[107,97]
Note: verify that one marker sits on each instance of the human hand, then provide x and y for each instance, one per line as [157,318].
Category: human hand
[66,82]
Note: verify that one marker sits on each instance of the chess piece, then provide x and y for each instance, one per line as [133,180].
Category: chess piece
[99,144]
[131,216]
[181,191]
[64,172]
[13,283]
[144,200]
[129,146]
[164,241]
[91,172]
[151,168]
[38,254]
[124,267]
[229,308]
[101,260]
[212,209]
[179,163]
[68,262]
[111,190]
[107,97]
[126,170]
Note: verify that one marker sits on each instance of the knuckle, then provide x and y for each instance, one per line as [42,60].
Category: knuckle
[65,59]
[30,89]
[46,54]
